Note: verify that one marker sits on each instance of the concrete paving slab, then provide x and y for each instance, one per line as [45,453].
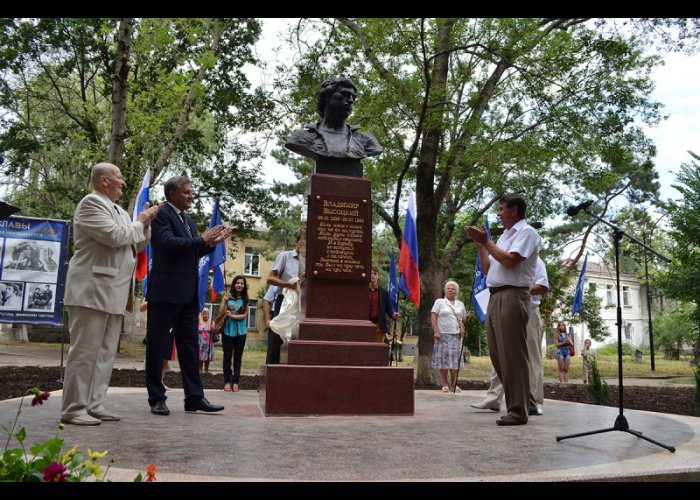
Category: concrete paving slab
[446,440]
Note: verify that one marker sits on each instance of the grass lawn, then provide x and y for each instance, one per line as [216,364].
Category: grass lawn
[480,366]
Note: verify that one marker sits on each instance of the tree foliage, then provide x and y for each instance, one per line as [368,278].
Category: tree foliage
[675,330]
[184,96]
[681,280]
[468,109]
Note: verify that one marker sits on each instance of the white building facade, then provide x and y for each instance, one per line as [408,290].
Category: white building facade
[635,319]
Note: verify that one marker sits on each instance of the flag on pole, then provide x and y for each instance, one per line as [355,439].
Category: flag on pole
[480,292]
[143,257]
[578,296]
[213,260]
[393,286]
[408,258]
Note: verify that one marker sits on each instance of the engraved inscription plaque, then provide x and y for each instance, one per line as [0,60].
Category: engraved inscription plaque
[340,224]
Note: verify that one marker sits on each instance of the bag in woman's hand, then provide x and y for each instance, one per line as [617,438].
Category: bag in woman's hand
[571,350]
[214,338]
[217,327]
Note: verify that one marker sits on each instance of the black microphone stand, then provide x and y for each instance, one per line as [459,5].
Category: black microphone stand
[621,421]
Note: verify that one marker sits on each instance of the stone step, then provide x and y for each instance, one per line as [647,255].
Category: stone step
[313,352]
[298,390]
[347,330]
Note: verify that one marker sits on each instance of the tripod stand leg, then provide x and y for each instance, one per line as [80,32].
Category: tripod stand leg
[561,438]
[640,435]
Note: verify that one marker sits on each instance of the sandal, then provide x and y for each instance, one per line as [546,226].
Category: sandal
[445,388]
[458,389]
[235,387]
[227,387]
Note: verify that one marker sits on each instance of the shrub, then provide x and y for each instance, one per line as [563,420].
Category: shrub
[611,349]
[598,388]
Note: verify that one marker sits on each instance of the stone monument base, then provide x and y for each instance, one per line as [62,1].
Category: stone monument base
[306,390]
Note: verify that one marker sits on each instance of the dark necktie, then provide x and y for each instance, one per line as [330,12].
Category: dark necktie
[187,226]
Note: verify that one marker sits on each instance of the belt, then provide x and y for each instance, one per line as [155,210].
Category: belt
[496,289]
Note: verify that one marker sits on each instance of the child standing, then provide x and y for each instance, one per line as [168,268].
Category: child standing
[206,343]
[587,356]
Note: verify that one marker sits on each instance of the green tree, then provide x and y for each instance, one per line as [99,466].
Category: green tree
[589,315]
[675,329]
[468,109]
[681,279]
[161,93]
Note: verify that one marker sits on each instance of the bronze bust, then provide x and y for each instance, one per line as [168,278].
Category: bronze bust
[336,146]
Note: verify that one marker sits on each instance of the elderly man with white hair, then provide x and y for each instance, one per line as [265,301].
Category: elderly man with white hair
[98,291]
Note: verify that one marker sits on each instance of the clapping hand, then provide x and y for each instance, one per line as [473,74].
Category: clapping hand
[217,234]
[148,214]
[478,235]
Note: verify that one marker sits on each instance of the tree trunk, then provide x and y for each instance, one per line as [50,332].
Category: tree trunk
[426,204]
[121,73]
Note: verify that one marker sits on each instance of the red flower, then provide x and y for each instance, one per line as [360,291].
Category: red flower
[151,473]
[39,397]
[55,473]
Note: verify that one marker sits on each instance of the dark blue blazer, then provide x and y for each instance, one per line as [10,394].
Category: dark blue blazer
[174,273]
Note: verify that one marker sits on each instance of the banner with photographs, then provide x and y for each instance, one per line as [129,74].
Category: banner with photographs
[32,270]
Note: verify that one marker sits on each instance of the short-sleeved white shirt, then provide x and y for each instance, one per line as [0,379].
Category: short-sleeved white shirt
[446,320]
[540,279]
[523,240]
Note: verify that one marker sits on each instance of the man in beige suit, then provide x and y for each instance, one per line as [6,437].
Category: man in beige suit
[98,287]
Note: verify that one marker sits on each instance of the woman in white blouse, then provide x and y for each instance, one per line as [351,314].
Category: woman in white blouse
[448,316]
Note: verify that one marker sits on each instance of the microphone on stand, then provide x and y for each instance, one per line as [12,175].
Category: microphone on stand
[581,206]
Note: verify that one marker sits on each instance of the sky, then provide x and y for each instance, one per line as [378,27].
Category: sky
[677,89]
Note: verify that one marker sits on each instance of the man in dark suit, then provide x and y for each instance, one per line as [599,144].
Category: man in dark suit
[173,284]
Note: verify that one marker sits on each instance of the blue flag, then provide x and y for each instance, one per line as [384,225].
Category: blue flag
[578,296]
[212,260]
[393,286]
[480,293]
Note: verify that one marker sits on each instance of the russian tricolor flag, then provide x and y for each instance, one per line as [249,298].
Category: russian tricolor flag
[215,261]
[408,258]
[141,201]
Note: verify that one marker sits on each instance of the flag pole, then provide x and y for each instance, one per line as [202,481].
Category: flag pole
[461,351]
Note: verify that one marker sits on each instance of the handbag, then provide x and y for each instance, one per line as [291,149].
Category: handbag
[217,327]
[571,350]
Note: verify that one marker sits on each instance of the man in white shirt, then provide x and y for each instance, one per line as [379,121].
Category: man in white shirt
[510,267]
[493,398]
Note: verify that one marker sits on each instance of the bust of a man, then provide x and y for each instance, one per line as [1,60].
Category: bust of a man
[336,146]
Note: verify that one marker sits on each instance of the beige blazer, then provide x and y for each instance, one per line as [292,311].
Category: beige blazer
[105,242]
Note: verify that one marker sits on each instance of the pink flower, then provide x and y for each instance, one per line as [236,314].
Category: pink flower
[39,397]
[55,473]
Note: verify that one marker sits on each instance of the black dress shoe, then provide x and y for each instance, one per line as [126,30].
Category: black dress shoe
[160,409]
[202,405]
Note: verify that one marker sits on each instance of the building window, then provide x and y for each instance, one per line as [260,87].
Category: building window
[592,287]
[252,315]
[610,301]
[252,262]
[626,296]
